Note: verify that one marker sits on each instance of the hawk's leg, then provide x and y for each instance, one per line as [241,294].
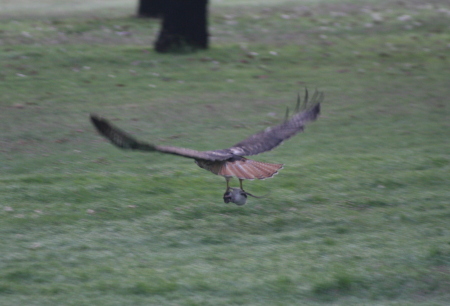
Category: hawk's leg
[227,197]
[240,184]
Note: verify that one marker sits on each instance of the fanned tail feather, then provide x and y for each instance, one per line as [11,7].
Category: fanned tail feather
[247,169]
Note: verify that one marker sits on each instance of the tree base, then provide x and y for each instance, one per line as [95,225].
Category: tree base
[184,27]
[150,8]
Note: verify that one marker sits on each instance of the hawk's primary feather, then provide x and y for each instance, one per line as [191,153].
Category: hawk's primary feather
[125,141]
[272,137]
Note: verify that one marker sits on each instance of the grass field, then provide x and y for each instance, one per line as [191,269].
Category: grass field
[360,214]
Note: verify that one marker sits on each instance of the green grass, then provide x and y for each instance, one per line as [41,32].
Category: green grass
[358,216]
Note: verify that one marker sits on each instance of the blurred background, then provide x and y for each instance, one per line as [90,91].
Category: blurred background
[358,216]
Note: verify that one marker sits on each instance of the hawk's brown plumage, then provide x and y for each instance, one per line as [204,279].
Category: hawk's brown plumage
[227,162]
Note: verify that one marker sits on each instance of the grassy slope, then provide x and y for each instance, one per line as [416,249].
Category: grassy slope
[358,216]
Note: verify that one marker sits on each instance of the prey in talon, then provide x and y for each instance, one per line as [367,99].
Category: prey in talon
[236,195]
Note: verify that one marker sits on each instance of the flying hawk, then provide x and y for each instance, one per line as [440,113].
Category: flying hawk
[228,162]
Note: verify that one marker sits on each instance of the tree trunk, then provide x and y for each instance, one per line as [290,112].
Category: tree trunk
[150,8]
[184,26]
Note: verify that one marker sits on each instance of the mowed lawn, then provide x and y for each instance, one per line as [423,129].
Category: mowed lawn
[360,214]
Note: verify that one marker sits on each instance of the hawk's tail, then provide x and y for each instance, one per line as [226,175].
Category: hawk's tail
[248,169]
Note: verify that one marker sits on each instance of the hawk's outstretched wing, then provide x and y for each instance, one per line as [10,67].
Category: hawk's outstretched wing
[260,142]
[272,137]
[125,141]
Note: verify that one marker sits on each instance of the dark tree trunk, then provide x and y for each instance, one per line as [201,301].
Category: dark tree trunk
[184,26]
[150,8]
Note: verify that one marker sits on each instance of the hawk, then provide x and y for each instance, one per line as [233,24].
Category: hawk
[229,162]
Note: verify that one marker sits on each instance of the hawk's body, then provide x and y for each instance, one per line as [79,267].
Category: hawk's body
[226,162]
